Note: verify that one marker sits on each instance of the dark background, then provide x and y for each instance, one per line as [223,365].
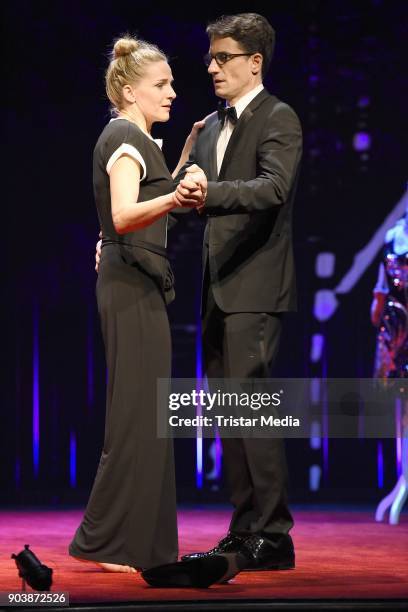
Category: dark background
[339,64]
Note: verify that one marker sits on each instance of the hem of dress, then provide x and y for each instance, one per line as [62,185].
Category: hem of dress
[106,559]
[101,558]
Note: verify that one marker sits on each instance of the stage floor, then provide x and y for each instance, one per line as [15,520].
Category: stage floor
[340,554]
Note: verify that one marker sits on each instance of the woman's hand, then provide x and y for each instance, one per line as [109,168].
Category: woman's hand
[197,175]
[98,250]
[192,137]
[188,145]
[192,190]
[188,194]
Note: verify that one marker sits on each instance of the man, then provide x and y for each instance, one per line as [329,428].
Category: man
[250,153]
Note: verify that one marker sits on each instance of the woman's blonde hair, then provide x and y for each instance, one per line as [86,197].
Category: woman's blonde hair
[129,58]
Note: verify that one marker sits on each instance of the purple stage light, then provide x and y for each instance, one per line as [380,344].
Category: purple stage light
[317,346]
[325,444]
[199,463]
[361,141]
[363,102]
[72,460]
[17,473]
[218,454]
[315,473]
[315,435]
[325,263]
[36,392]
[325,304]
[199,379]
[380,465]
[398,430]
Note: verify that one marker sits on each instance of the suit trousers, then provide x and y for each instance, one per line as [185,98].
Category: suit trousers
[245,345]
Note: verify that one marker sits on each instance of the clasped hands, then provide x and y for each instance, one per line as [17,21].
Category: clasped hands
[192,189]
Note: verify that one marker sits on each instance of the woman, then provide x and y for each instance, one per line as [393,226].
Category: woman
[130,519]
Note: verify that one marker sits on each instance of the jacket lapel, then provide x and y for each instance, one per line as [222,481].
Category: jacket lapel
[240,128]
[214,132]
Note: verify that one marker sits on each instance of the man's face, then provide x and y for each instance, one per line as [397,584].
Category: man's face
[235,78]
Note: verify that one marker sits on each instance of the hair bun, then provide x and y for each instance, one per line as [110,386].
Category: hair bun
[125,46]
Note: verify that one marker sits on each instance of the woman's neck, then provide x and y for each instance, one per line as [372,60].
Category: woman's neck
[137,118]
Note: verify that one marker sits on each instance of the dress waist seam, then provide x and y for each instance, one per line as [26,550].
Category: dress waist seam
[141,244]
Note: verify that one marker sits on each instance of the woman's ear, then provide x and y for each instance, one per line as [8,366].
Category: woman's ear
[128,94]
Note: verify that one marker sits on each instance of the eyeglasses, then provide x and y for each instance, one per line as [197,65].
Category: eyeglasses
[221,58]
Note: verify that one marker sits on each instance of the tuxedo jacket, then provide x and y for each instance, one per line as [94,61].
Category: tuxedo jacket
[248,237]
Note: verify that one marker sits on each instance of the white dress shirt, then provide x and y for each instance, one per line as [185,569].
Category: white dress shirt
[228,128]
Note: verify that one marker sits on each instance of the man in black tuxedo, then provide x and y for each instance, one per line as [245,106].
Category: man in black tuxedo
[250,152]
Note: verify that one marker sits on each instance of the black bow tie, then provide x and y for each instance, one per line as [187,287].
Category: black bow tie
[227,112]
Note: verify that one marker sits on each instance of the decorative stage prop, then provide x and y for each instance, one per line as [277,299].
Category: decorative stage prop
[395,500]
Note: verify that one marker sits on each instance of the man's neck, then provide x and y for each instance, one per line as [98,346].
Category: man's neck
[243,93]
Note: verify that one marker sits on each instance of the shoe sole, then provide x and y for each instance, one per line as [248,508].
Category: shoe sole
[198,573]
[264,568]
[270,567]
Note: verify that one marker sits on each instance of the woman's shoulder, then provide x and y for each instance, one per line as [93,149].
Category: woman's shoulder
[118,132]
[118,127]
[114,130]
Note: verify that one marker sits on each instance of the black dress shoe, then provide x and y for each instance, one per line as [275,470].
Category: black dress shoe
[272,553]
[231,543]
[198,573]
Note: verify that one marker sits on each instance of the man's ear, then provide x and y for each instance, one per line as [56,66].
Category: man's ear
[257,60]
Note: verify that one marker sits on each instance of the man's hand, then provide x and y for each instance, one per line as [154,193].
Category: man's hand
[98,250]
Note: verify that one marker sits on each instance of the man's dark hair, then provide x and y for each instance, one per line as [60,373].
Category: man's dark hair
[252,31]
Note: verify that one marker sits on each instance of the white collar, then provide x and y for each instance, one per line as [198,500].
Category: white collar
[243,102]
[158,141]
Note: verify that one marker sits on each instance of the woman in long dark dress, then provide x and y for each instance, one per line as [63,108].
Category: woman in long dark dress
[130,520]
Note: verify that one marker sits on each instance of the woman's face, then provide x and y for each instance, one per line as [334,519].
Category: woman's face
[154,93]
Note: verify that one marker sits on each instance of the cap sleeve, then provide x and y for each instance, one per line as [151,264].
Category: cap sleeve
[125,139]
